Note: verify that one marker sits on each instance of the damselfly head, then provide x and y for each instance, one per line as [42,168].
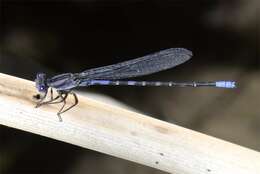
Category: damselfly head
[40,83]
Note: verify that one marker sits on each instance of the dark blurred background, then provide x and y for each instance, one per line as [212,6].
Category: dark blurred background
[74,35]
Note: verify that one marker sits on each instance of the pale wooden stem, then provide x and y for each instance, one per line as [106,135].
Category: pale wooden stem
[124,134]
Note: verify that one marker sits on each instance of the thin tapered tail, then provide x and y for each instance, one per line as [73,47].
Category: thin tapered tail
[218,84]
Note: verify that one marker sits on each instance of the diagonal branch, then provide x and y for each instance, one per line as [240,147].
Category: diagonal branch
[124,134]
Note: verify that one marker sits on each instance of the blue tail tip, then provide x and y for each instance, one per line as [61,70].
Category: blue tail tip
[226,84]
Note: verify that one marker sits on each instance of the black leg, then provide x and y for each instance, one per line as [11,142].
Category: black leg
[51,94]
[48,102]
[52,100]
[64,103]
[76,101]
[58,97]
[62,95]
[40,103]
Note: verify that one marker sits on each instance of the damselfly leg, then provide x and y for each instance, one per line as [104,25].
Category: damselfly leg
[42,102]
[62,96]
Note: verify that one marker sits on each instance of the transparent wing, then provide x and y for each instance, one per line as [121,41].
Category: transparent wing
[145,65]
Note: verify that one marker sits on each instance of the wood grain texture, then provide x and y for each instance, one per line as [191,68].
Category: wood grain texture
[124,134]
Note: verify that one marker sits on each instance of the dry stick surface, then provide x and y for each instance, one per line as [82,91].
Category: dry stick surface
[124,134]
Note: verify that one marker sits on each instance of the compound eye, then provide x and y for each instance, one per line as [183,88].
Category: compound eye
[42,88]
